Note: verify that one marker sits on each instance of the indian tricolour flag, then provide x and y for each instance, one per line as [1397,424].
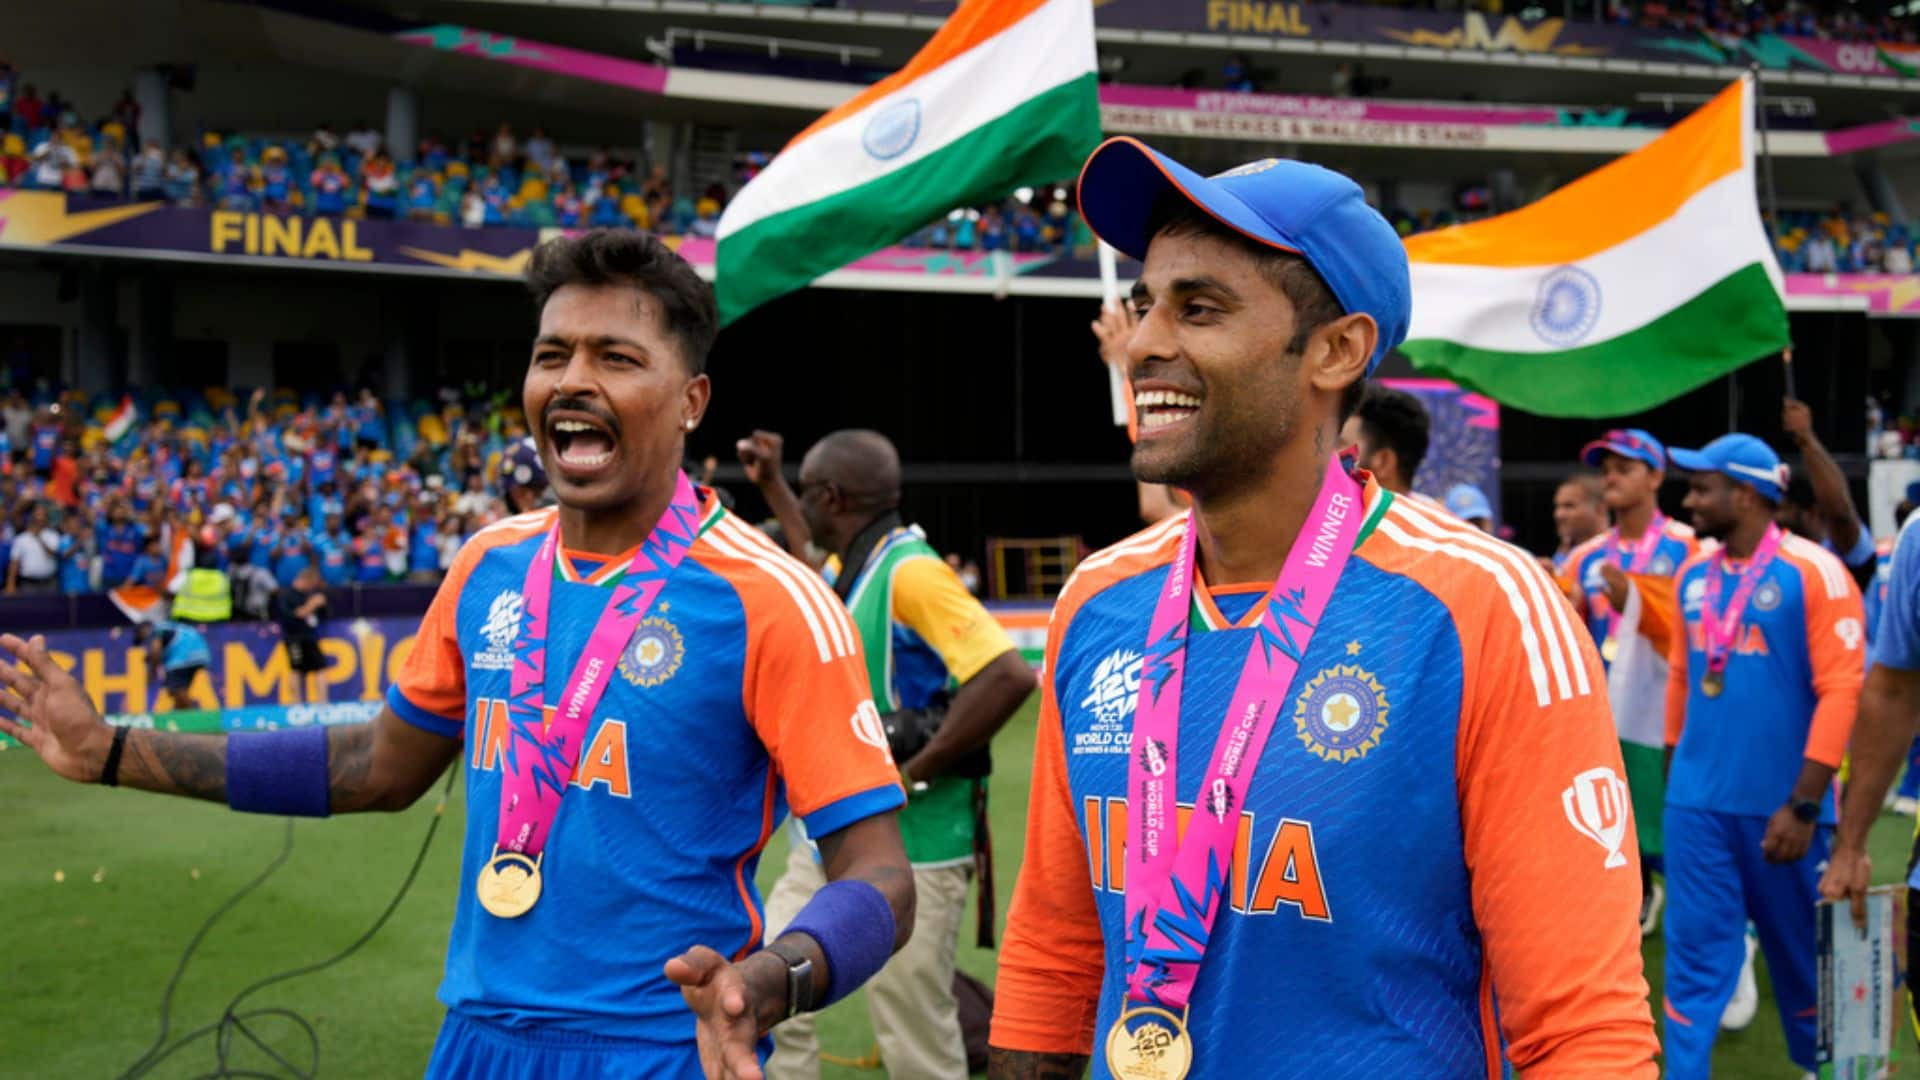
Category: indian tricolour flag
[121,420]
[1904,59]
[1622,290]
[1003,95]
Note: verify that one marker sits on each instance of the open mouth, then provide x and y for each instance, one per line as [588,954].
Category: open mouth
[1160,409]
[581,443]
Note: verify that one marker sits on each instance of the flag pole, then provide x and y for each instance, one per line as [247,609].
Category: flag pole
[1772,201]
[1110,294]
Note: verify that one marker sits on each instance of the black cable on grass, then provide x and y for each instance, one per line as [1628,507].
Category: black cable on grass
[232,1021]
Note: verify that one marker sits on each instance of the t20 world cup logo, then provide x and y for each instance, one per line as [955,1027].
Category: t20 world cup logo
[1597,808]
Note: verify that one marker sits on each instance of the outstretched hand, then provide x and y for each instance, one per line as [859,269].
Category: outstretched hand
[45,707]
[722,1001]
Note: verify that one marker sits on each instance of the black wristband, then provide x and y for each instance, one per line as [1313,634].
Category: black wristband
[799,978]
[110,775]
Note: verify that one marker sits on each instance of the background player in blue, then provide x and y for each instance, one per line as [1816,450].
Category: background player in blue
[1435,867]
[1889,723]
[743,692]
[1755,731]
[1627,568]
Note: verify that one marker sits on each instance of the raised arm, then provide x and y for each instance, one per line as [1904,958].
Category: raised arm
[760,454]
[383,765]
[1831,500]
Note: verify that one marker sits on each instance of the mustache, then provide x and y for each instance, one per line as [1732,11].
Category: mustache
[579,405]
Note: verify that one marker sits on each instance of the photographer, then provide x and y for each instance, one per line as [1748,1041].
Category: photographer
[922,633]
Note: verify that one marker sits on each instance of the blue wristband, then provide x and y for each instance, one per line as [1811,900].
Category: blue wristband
[278,772]
[853,923]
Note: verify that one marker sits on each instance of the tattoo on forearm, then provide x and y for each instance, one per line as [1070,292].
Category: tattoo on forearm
[350,767]
[1027,1065]
[896,884]
[174,763]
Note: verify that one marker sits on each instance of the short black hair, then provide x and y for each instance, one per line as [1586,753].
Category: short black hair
[1590,484]
[1314,304]
[638,260]
[1396,419]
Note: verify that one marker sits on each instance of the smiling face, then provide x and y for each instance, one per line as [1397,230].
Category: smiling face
[610,396]
[1215,386]
[1716,504]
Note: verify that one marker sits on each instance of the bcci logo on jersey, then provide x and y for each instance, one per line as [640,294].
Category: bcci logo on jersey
[1341,714]
[503,622]
[653,654]
[1596,806]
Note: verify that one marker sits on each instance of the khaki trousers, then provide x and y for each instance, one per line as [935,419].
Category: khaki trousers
[910,1001]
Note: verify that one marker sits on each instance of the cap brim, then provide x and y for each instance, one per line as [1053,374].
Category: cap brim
[1123,179]
[1591,453]
[1691,460]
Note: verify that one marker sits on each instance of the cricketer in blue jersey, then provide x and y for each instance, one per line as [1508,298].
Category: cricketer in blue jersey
[1435,867]
[740,697]
[1888,724]
[1761,694]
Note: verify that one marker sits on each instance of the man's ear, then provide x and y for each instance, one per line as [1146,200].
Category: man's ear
[1348,349]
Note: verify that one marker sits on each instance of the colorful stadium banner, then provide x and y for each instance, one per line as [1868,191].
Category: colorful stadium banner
[249,685]
[40,220]
[1463,439]
[1002,95]
[1878,294]
[1622,290]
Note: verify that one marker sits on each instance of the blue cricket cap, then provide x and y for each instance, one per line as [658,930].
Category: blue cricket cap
[1315,213]
[1742,458]
[1466,502]
[1631,443]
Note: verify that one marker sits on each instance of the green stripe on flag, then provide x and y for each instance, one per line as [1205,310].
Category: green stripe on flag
[1733,323]
[1647,790]
[1044,139]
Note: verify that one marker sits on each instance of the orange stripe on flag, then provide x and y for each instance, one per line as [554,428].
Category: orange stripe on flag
[973,23]
[1610,205]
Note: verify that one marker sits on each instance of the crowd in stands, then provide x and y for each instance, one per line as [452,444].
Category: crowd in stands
[100,495]
[488,179]
[1733,18]
[1843,243]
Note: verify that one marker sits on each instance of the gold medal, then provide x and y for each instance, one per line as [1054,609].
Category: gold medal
[1712,683]
[1149,1043]
[1609,649]
[509,884]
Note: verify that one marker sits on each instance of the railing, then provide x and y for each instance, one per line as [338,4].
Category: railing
[1031,569]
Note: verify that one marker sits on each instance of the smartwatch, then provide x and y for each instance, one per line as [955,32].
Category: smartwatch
[1806,810]
[799,978]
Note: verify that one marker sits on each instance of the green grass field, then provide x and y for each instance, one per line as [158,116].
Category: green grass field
[89,955]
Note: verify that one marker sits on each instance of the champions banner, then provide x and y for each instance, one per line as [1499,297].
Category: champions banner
[249,685]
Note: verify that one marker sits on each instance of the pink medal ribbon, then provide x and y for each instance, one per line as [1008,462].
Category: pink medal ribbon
[541,753]
[1172,896]
[1639,555]
[1719,631]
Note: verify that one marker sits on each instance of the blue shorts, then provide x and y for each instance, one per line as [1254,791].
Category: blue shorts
[179,680]
[473,1049]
